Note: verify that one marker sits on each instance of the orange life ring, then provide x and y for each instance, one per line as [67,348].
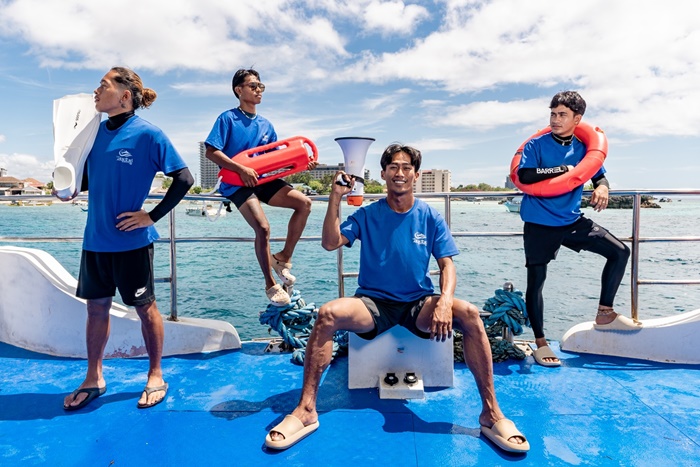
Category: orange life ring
[285,157]
[596,150]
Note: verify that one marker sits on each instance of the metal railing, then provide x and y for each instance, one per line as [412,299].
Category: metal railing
[635,240]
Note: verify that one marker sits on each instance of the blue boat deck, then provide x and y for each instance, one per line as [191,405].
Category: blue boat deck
[591,411]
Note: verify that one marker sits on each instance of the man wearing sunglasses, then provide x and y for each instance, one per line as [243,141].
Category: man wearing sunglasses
[237,130]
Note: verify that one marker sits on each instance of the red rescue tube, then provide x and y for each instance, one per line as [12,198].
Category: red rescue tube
[596,150]
[285,157]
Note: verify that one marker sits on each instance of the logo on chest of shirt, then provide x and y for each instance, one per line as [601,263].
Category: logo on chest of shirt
[125,157]
[419,239]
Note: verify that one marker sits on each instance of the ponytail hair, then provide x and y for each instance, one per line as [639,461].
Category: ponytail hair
[140,97]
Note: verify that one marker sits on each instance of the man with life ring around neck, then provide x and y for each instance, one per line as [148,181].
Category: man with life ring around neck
[551,222]
[398,233]
[242,128]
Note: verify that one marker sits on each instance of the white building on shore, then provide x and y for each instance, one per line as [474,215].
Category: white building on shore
[208,171]
[433,181]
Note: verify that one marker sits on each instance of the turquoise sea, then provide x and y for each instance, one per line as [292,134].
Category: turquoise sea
[222,280]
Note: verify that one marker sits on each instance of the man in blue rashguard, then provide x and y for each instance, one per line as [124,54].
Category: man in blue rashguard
[398,234]
[551,222]
[118,243]
[240,129]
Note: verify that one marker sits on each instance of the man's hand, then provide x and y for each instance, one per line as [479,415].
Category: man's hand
[343,183]
[312,165]
[67,198]
[134,220]
[599,198]
[248,176]
[441,326]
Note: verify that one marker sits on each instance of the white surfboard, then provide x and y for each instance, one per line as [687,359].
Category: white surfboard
[75,125]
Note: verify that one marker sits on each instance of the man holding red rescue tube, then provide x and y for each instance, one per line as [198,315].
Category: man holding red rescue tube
[240,129]
[551,222]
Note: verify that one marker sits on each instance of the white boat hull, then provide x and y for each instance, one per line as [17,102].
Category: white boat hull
[670,340]
[39,312]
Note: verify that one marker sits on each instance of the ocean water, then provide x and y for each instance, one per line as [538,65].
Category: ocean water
[222,280]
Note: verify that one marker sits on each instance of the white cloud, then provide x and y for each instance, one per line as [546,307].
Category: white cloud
[391,18]
[492,114]
[2,138]
[636,77]
[25,165]
[209,35]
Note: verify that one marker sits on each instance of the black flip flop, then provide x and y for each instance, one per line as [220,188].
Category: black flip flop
[92,393]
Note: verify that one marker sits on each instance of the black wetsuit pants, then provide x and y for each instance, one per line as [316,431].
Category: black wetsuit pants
[597,240]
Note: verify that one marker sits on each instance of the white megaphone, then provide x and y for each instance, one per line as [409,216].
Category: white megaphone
[75,125]
[354,152]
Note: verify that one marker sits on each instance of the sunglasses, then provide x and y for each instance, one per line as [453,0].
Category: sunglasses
[255,86]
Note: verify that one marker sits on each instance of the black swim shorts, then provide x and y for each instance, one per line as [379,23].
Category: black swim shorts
[388,313]
[101,274]
[264,192]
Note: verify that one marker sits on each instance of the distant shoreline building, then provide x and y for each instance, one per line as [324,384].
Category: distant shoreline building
[509,183]
[14,186]
[433,181]
[323,169]
[208,171]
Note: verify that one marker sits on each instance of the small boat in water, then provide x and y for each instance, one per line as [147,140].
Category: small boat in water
[82,204]
[205,211]
[513,205]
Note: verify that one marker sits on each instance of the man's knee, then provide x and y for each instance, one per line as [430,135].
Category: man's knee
[262,230]
[625,253]
[303,206]
[99,307]
[466,314]
[148,311]
[328,316]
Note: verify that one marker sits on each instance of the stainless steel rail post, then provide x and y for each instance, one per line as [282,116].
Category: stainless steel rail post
[634,275]
[173,269]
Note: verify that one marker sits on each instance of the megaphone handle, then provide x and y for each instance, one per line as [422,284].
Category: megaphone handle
[344,179]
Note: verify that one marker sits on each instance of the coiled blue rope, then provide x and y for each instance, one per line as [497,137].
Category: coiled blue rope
[298,317]
[507,308]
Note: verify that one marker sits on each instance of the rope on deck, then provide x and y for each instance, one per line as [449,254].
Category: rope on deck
[297,319]
[506,310]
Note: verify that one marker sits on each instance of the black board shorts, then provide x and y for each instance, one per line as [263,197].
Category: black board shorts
[102,273]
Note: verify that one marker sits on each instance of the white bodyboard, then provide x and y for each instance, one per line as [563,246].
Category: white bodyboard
[75,125]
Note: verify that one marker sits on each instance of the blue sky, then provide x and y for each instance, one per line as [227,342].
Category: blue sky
[464,81]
